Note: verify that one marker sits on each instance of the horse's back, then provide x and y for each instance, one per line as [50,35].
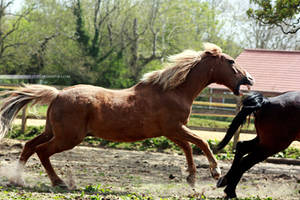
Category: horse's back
[280,118]
[121,115]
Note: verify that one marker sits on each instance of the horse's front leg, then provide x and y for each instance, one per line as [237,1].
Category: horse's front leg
[242,148]
[185,134]
[185,146]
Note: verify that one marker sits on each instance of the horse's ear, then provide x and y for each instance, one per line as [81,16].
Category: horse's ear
[211,53]
[212,49]
[208,53]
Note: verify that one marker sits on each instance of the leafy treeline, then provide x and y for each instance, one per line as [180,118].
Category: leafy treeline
[281,13]
[110,43]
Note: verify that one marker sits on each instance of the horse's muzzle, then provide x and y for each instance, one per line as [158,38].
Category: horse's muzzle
[247,81]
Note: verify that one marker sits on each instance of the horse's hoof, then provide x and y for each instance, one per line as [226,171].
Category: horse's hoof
[222,182]
[230,194]
[19,182]
[215,172]
[61,185]
[191,179]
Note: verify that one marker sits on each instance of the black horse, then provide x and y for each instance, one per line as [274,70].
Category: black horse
[277,123]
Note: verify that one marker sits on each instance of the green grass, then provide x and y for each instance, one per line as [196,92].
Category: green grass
[204,122]
[290,152]
[30,132]
[35,112]
[216,122]
[90,192]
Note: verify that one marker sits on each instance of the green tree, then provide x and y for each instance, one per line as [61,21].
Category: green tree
[281,13]
[9,29]
[110,43]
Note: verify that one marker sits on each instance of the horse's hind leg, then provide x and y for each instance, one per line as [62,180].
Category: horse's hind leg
[185,146]
[64,140]
[28,150]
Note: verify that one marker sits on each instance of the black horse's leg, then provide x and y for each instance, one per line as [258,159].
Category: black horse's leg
[245,163]
[242,148]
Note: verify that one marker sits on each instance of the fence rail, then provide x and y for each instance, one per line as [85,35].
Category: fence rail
[214,104]
[211,115]
[9,87]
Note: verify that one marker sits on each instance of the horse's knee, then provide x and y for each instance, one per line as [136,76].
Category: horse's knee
[239,147]
[27,151]
[242,147]
[30,146]
[204,143]
[247,146]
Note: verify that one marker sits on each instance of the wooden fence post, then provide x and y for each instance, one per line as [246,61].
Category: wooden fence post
[237,133]
[24,119]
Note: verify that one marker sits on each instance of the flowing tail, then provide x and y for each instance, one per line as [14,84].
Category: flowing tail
[250,104]
[17,99]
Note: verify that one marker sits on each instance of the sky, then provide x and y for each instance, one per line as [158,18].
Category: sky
[16,6]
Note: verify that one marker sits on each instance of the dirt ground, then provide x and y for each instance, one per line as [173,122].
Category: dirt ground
[156,174]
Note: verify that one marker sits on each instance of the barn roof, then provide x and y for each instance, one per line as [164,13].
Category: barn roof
[273,70]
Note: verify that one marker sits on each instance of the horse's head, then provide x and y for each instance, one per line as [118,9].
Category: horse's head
[224,70]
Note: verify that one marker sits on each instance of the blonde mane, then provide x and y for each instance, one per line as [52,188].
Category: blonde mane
[178,67]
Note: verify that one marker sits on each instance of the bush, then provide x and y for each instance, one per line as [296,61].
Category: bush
[30,132]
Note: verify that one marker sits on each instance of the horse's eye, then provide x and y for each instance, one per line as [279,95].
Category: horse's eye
[231,62]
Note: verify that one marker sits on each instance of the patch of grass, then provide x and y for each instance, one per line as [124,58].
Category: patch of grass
[99,192]
[30,132]
[37,111]
[205,122]
[216,122]
[92,192]
[290,152]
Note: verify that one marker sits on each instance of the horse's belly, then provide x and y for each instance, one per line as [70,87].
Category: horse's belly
[125,134]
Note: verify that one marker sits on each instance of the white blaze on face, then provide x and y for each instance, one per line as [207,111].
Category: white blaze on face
[249,77]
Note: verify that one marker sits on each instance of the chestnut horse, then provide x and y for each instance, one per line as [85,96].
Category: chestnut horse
[159,105]
[277,123]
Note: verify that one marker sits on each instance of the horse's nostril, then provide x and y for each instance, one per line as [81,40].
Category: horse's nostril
[249,77]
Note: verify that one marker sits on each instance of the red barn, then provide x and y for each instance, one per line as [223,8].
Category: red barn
[274,71]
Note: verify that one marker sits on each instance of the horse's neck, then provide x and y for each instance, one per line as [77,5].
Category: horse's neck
[196,81]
